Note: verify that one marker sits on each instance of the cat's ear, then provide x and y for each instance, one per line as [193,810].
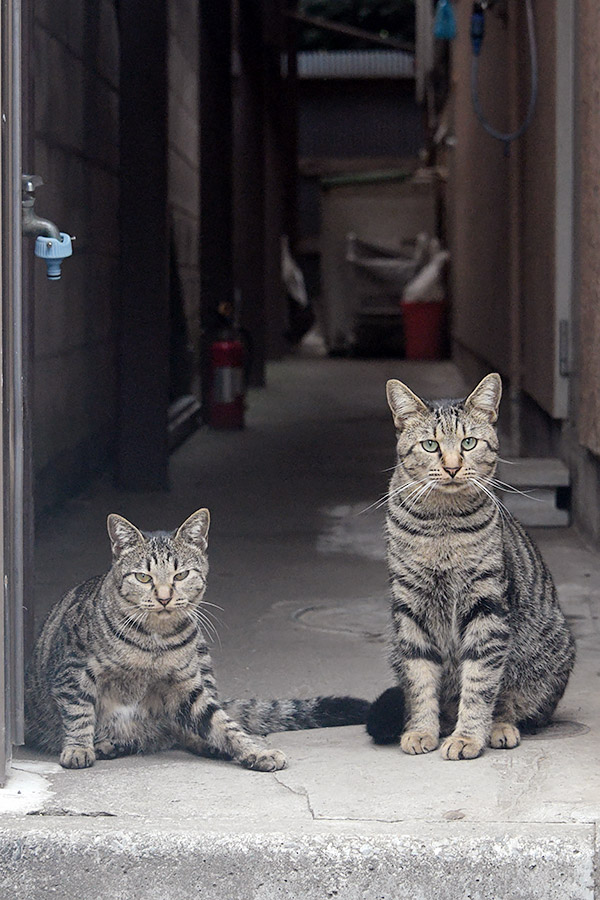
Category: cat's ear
[122,534]
[403,403]
[195,528]
[485,399]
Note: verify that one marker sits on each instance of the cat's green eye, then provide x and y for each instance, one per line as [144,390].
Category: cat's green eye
[430,446]
[469,443]
[143,577]
[179,576]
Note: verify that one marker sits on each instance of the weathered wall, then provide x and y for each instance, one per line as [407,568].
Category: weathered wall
[184,198]
[479,227]
[74,147]
[589,224]
[351,121]
[584,438]
[478,202]
[538,210]
[354,118]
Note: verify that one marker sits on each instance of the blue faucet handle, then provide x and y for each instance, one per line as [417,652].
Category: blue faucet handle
[53,252]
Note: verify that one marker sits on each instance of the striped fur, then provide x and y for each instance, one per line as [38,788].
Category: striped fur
[122,665]
[480,647]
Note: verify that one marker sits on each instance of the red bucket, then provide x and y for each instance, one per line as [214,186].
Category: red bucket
[424,329]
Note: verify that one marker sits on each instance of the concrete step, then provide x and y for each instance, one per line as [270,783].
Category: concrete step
[545,487]
[425,862]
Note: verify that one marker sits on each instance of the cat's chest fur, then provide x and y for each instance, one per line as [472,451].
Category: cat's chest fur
[143,675]
[442,550]
[124,702]
[440,562]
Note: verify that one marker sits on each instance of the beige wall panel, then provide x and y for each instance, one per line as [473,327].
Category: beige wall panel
[481,213]
[478,195]
[538,214]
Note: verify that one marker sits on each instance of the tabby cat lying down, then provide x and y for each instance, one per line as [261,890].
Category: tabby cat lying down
[122,665]
[480,647]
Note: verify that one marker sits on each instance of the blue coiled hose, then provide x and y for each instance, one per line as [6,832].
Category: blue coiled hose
[477,35]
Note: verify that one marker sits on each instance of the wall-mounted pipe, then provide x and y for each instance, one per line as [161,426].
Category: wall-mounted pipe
[515,213]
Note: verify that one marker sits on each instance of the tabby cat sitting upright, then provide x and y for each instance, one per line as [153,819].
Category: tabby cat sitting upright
[122,665]
[480,647]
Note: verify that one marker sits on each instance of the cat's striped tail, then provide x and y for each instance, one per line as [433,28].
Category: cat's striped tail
[267,716]
[385,721]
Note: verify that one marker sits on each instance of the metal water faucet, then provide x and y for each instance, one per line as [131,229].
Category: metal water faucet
[51,245]
[33,225]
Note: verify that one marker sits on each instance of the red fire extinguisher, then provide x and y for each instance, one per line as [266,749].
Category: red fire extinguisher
[227,388]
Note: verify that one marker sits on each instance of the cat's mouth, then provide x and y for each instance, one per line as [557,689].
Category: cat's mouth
[465,485]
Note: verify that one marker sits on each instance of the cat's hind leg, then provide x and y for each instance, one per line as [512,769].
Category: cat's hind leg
[505,734]
[204,717]
[225,736]
[195,744]
[125,729]
[108,749]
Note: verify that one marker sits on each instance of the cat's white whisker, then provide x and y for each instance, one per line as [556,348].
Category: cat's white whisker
[204,623]
[130,622]
[418,494]
[502,509]
[510,489]
[390,494]
[214,605]
[211,615]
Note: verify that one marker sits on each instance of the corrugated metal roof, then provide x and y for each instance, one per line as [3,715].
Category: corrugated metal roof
[356,64]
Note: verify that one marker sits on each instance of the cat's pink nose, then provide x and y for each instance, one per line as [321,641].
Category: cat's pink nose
[163,593]
[451,470]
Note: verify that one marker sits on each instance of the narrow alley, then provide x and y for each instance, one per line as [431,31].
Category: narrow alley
[298,567]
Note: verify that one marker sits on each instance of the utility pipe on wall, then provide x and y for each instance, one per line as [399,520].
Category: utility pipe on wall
[515,234]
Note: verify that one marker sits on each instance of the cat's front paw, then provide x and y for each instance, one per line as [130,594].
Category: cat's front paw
[504,736]
[458,746]
[265,760]
[77,757]
[415,742]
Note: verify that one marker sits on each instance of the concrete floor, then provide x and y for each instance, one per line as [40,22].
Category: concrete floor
[297,565]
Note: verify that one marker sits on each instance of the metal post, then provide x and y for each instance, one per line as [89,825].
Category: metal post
[11,460]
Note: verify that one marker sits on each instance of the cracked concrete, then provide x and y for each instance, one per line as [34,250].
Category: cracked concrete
[303,585]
